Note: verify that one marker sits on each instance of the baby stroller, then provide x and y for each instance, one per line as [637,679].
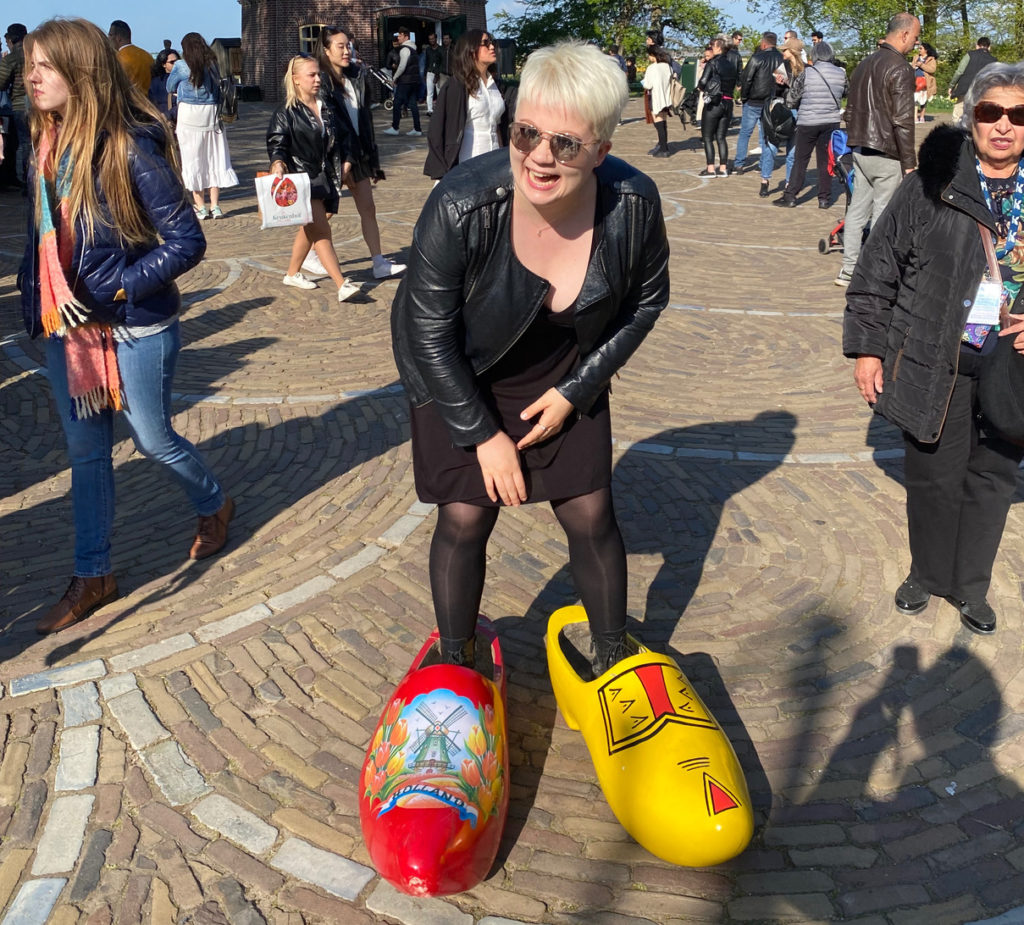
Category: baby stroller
[840,164]
[387,85]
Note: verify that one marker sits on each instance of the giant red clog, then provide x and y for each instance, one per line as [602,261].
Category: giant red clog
[667,769]
[434,788]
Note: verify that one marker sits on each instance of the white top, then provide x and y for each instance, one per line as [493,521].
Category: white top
[351,103]
[484,113]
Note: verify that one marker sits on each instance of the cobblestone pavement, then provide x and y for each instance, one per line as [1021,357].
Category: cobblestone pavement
[191,752]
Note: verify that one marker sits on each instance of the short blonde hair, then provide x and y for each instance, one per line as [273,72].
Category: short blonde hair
[580,79]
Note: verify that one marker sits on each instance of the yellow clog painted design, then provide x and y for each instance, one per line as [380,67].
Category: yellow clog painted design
[668,771]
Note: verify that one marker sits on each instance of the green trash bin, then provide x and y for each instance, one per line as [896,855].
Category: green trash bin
[688,74]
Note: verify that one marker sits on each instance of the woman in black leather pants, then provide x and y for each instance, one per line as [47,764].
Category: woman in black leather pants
[716,83]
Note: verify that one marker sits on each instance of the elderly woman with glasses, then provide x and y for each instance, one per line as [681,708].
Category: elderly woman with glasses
[536,271]
[935,287]
[470,117]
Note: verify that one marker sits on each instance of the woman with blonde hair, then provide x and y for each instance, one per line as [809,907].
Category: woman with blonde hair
[110,230]
[205,159]
[303,137]
[536,271]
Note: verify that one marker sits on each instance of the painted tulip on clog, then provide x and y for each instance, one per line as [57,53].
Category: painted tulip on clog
[434,788]
[668,771]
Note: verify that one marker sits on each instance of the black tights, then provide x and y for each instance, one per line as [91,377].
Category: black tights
[597,558]
[714,123]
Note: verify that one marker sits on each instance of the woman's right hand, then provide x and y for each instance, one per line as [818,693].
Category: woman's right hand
[499,465]
[278,168]
[867,373]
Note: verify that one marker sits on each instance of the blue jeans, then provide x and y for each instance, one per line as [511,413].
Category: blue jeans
[768,152]
[147,370]
[406,95]
[750,117]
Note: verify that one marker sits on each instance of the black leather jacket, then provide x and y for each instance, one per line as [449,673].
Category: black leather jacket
[466,300]
[356,141]
[294,137]
[880,106]
[758,81]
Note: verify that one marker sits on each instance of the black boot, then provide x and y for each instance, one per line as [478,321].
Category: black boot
[458,651]
[662,129]
[609,648]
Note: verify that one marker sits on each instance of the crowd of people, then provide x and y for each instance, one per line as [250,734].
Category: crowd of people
[508,395]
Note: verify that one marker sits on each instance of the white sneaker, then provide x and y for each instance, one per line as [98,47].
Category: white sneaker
[313,267]
[298,281]
[392,131]
[384,268]
[414,133]
[348,290]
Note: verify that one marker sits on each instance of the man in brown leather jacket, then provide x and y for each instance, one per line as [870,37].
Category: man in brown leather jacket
[880,125]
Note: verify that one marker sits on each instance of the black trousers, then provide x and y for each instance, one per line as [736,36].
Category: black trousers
[714,123]
[958,495]
[811,138]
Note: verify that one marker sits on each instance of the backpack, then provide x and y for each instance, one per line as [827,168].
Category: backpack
[677,93]
[777,122]
[227,106]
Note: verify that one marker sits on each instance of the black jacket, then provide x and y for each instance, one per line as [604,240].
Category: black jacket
[880,105]
[718,80]
[758,81]
[734,57]
[294,137]
[465,300]
[356,141]
[448,125]
[978,60]
[102,266]
[915,281]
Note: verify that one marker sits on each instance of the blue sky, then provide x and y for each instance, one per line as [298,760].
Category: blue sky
[152,22]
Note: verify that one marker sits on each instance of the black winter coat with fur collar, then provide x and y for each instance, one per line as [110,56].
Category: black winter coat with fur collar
[915,283]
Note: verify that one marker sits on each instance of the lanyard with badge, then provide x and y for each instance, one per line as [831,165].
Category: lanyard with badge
[992,297]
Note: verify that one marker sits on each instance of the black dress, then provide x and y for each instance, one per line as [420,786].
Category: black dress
[575,461]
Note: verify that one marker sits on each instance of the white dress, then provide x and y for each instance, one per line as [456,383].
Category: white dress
[484,111]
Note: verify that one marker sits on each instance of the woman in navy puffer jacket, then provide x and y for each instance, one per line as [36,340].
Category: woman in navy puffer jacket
[111,233]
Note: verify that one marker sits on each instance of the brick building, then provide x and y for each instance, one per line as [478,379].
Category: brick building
[275,30]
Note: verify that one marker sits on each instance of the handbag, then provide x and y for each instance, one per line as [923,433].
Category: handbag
[677,93]
[777,122]
[1001,380]
[284,201]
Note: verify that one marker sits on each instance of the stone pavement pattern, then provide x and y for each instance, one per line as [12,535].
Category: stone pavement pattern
[192,752]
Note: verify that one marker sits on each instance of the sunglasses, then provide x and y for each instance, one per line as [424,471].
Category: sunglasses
[993,112]
[487,43]
[564,148]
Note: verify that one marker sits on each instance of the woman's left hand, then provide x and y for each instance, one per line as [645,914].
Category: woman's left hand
[1015,326]
[551,410]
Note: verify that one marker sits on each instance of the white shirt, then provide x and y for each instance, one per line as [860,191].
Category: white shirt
[483,114]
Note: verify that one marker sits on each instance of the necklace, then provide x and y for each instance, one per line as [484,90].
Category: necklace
[1013,225]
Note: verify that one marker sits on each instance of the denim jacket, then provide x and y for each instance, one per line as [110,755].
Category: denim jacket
[178,82]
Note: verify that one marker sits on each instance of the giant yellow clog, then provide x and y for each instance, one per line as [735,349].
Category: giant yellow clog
[668,771]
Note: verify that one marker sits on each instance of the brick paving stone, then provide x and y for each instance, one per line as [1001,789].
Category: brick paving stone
[11,869]
[63,834]
[243,867]
[316,907]
[235,823]
[80,704]
[57,677]
[79,758]
[413,910]
[174,825]
[161,909]
[34,901]
[238,909]
[883,898]
[92,862]
[137,720]
[324,836]
[198,748]
[174,774]
[134,899]
[186,891]
[126,838]
[25,822]
[335,874]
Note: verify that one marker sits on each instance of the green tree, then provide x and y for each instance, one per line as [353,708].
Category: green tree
[619,22]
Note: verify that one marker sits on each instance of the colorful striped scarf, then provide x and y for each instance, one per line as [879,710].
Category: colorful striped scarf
[89,350]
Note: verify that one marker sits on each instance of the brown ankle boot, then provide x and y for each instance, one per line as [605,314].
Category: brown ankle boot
[83,596]
[212,532]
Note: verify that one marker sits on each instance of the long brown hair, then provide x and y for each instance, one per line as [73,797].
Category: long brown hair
[464,60]
[95,133]
[198,56]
